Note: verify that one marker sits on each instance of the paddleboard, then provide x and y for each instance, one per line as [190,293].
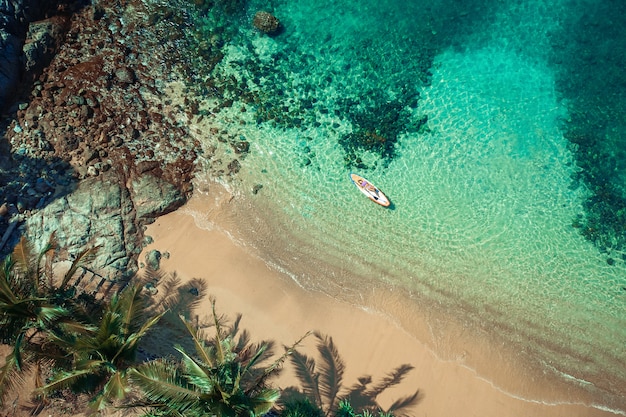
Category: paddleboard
[370,190]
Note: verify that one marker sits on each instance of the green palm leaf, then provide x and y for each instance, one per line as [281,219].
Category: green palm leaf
[219,351]
[265,400]
[130,308]
[7,296]
[114,389]
[196,373]
[199,344]
[66,379]
[131,341]
[17,349]
[162,384]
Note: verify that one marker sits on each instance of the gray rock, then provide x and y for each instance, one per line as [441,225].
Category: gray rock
[153,259]
[43,40]
[15,16]
[154,196]
[103,212]
[98,213]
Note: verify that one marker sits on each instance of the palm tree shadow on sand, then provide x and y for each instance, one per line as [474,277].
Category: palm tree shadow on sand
[321,386]
[178,300]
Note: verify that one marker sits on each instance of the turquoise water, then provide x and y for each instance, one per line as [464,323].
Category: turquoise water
[504,164]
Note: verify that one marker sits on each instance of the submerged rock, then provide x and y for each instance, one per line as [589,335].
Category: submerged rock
[266,22]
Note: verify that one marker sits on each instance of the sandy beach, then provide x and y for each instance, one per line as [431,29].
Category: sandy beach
[275,308]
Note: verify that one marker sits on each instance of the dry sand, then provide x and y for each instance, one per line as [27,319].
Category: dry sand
[275,308]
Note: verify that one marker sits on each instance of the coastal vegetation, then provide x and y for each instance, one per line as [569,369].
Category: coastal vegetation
[71,345]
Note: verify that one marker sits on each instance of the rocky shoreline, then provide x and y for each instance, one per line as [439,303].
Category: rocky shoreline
[91,149]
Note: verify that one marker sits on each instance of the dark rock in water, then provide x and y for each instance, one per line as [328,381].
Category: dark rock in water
[257,188]
[241,146]
[125,75]
[266,22]
[234,166]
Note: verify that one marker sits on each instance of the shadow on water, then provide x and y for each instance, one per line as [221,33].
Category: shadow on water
[588,57]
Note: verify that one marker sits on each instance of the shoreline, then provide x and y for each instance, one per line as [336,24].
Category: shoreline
[275,307]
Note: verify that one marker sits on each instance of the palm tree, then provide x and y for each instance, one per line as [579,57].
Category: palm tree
[322,385]
[33,307]
[102,359]
[224,378]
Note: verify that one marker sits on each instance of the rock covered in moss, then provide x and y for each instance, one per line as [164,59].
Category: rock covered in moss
[266,22]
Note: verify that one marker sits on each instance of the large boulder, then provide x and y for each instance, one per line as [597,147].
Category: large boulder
[266,22]
[154,197]
[100,213]
[15,19]
[43,40]
[103,212]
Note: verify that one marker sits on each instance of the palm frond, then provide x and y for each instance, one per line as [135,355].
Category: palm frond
[130,308]
[219,337]
[252,361]
[50,313]
[330,370]
[65,379]
[400,405]
[46,251]
[17,351]
[74,327]
[307,376]
[10,377]
[47,268]
[22,255]
[7,294]
[162,383]
[82,258]
[131,341]
[199,344]
[196,372]
[114,389]
[275,367]
[393,378]
[263,401]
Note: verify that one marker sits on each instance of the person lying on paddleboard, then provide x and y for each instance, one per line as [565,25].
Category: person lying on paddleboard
[368,186]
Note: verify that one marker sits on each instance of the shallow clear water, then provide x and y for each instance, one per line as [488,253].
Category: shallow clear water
[485,194]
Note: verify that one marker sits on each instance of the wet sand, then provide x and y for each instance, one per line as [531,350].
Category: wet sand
[275,308]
